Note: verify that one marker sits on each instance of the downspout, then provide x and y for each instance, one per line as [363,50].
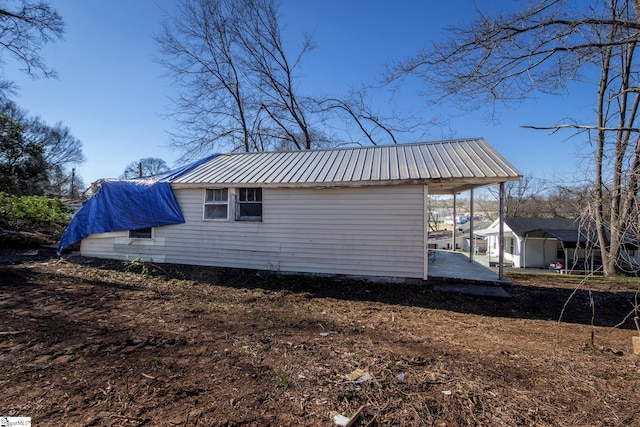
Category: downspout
[501,235]
[472,244]
[524,251]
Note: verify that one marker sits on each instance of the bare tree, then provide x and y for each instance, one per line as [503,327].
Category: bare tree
[565,201]
[23,32]
[522,198]
[356,109]
[61,151]
[148,166]
[61,148]
[199,51]
[436,207]
[282,111]
[59,182]
[535,198]
[24,29]
[238,83]
[58,149]
[540,49]
[487,205]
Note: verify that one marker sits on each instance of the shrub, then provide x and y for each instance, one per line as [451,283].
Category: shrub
[35,210]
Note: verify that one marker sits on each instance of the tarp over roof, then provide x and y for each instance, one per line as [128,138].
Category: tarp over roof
[446,166]
[128,205]
[124,205]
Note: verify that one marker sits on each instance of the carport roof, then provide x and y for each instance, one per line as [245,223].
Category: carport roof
[522,226]
[568,231]
[563,229]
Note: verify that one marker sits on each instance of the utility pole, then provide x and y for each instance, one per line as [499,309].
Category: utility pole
[73,182]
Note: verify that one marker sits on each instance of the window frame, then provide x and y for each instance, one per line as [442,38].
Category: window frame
[143,237]
[214,202]
[257,196]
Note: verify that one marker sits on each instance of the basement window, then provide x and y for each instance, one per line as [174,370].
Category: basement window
[216,203]
[141,233]
[249,204]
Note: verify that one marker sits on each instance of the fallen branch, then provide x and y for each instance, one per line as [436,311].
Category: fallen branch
[355,417]
[123,417]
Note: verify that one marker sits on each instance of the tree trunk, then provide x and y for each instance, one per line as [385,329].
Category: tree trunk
[608,261]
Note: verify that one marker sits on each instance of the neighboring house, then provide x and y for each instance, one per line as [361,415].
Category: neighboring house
[352,211]
[480,241]
[538,242]
[441,240]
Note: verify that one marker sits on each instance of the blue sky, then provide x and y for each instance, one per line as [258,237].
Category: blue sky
[113,96]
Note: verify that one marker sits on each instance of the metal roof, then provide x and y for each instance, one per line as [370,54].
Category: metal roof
[447,166]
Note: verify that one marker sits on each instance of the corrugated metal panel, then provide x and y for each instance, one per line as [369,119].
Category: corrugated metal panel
[467,160]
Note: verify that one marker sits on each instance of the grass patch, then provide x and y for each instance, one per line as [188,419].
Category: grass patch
[622,281]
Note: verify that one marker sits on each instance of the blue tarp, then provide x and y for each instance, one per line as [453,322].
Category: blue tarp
[124,205]
[128,205]
[175,173]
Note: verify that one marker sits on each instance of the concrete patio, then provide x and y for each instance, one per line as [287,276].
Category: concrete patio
[454,272]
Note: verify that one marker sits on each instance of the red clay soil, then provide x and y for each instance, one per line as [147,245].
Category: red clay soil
[90,342]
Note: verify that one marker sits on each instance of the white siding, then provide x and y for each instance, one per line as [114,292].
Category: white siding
[118,245]
[371,231]
[101,245]
[539,252]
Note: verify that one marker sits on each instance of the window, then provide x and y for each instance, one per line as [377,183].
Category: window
[216,203]
[141,233]
[249,207]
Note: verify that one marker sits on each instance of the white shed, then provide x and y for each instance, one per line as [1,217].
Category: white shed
[538,242]
[345,211]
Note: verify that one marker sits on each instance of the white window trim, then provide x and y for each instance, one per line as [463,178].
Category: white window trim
[233,210]
[228,203]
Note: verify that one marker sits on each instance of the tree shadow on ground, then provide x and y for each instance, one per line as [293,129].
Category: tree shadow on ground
[565,304]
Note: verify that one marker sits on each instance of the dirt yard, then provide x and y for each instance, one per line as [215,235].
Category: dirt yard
[96,343]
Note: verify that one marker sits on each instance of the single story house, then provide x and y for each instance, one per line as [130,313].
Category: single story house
[538,242]
[345,211]
[443,240]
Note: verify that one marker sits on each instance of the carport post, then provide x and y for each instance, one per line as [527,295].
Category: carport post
[472,240]
[501,235]
[453,232]
[425,231]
